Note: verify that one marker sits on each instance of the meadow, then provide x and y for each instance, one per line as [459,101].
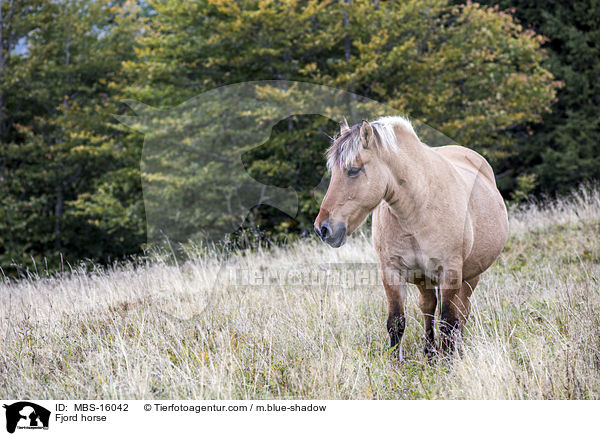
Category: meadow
[158,329]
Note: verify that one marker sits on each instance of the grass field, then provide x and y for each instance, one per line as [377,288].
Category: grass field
[158,330]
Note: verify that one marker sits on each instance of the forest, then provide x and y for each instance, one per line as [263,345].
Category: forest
[514,80]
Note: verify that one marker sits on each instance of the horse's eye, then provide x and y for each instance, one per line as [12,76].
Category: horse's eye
[353,172]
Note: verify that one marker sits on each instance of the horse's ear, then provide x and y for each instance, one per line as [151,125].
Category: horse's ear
[366,133]
[344,127]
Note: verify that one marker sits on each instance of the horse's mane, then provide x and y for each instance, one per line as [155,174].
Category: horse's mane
[346,146]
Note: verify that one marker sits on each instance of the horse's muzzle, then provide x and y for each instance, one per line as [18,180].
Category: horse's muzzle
[335,238]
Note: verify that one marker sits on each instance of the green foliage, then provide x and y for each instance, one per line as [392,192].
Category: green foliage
[562,149]
[292,157]
[71,182]
[525,185]
[59,151]
[468,71]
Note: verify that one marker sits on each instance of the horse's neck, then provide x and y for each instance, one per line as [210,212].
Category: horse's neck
[410,173]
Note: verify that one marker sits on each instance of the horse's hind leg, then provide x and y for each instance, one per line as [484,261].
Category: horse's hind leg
[428,303]
[456,306]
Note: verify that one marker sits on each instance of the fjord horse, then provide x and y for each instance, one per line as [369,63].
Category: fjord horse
[439,220]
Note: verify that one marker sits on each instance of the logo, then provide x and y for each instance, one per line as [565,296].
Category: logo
[26,415]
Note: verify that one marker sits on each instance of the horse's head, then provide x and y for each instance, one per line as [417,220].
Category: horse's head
[359,179]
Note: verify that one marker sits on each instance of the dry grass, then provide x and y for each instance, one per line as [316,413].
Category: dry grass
[534,331]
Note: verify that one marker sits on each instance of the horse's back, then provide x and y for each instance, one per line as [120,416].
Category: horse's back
[467,159]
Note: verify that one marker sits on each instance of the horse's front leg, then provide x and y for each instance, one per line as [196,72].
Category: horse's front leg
[456,306]
[394,291]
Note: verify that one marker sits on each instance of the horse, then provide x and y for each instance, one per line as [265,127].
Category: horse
[439,220]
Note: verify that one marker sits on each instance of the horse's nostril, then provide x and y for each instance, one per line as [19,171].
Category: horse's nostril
[325,230]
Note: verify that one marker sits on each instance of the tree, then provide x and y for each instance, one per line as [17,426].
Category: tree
[58,145]
[70,177]
[468,71]
[561,149]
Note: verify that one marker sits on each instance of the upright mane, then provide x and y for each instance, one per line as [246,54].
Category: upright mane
[346,146]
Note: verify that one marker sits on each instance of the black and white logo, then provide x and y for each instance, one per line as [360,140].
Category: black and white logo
[26,415]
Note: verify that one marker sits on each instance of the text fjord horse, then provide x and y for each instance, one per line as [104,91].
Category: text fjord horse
[438,218]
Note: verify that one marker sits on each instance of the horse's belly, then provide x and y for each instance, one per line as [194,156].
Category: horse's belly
[490,229]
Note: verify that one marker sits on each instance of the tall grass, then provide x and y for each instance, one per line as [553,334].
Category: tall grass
[157,330]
